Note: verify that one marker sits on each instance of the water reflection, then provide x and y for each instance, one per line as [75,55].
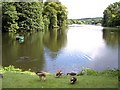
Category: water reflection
[111,36]
[54,41]
[30,54]
[16,54]
[69,50]
[107,56]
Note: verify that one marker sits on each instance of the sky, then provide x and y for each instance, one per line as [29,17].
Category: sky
[86,8]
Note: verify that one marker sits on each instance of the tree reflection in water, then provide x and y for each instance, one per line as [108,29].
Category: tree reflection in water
[111,37]
[54,40]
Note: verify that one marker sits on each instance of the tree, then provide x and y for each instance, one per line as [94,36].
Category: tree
[111,15]
[9,17]
[22,16]
[30,16]
[33,16]
[56,14]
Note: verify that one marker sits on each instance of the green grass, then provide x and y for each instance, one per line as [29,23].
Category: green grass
[20,79]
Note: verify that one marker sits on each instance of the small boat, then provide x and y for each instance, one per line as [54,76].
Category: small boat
[20,38]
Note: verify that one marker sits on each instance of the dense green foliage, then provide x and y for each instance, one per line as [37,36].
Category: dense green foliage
[97,20]
[112,15]
[32,16]
[9,17]
[56,14]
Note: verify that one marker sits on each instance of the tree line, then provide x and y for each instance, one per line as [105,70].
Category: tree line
[111,15]
[95,21]
[32,16]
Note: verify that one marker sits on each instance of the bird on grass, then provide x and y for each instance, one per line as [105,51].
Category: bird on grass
[73,80]
[72,74]
[41,75]
[59,73]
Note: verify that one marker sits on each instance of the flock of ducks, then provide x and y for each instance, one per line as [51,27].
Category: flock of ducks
[42,75]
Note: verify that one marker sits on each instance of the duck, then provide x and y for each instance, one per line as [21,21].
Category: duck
[41,75]
[73,80]
[72,74]
[59,73]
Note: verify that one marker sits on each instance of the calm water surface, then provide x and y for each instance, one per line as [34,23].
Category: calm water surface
[68,50]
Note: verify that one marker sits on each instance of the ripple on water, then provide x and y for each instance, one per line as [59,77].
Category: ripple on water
[67,61]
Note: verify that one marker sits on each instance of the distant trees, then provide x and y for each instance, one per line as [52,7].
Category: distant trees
[96,20]
[32,16]
[112,15]
[74,21]
[52,0]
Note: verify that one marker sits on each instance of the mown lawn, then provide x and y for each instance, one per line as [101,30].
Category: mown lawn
[24,80]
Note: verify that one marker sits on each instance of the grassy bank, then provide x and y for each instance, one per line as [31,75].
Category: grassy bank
[18,79]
